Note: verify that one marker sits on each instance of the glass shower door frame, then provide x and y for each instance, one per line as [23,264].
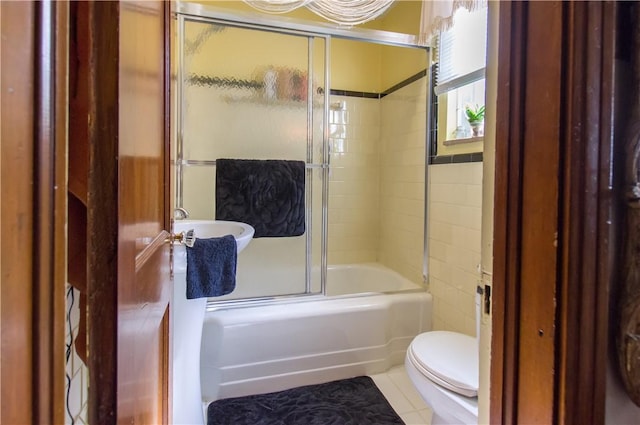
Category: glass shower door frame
[181,162]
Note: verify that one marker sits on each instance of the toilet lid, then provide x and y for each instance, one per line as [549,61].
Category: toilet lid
[449,359]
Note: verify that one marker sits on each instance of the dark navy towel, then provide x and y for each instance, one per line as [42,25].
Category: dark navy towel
[267,194]
[211,267]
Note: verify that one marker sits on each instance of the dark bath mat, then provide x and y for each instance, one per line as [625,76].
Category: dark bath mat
[354,401]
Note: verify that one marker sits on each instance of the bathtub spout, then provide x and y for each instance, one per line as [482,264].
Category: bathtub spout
[180,214]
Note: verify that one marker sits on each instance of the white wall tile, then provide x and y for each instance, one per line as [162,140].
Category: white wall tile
[455,219]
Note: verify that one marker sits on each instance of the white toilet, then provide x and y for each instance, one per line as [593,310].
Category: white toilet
[444,368]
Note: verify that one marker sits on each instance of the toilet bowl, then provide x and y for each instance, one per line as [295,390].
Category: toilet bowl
[443,367]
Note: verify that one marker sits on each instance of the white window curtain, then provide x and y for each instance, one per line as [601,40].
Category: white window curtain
[437,15]
[462,50]
[460,28]
[342,12]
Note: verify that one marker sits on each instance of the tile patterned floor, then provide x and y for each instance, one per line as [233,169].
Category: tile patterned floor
[403,397]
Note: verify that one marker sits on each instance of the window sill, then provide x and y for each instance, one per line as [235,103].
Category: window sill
[463,141]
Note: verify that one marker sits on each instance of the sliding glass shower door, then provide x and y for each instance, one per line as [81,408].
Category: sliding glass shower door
[246,93]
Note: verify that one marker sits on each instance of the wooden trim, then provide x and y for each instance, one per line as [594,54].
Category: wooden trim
[102,232]
[168,22]
[61,108]
[50,210]
[539,212]
[34,216]
[167,364]
[505,314]
[587,211]
[43,224]
[16,310]
[556,174]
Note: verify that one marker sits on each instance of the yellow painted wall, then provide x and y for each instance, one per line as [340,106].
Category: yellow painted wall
[242,53]
[398,63]
[355,65]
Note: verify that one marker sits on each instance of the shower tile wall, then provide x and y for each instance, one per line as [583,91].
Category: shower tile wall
[376,189]
[402,159]
[455,219]
[354,181]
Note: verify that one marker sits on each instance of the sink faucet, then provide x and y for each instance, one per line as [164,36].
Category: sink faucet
[180,213]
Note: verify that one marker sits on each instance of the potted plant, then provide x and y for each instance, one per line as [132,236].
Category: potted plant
[475,116]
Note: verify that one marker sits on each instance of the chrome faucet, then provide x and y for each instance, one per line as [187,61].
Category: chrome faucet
[180,213]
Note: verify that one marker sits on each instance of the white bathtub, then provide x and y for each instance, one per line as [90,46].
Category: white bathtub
[257,349]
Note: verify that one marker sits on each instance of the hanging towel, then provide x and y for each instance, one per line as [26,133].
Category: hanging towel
[267,194]
[211,267]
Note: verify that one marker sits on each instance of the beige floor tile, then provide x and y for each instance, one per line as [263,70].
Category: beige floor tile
[395,397]
[404,384]
[413,418]
[426,415]
[398,389]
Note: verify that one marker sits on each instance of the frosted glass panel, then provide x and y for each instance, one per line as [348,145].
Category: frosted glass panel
[246,93]
[199,192]
[254,94]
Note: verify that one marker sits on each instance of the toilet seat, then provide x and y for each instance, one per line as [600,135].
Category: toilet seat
[448,359]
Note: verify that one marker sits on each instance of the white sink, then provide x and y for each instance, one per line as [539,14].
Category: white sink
[188,315]
[243,232]
[209,229]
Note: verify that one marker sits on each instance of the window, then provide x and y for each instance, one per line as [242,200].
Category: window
[460,81]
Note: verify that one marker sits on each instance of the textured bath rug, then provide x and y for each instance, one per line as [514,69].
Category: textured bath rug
[354,401]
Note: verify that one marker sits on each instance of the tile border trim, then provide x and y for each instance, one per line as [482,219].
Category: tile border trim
[373,95]
[455,159]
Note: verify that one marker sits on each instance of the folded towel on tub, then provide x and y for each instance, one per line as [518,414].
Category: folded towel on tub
[267,194]
[211,267]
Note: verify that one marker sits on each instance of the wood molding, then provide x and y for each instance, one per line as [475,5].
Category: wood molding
[34,116]
[128,283]
[102,231]
[587,211]
[553,234]
[50,209]
[505,314]
[169,94]
[17,149]
[60,215]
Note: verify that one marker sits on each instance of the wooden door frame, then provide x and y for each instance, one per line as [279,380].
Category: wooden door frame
[104,251]
[34,134]
[582,169]
[102,207]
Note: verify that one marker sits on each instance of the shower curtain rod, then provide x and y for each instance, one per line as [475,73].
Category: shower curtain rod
[284,23]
